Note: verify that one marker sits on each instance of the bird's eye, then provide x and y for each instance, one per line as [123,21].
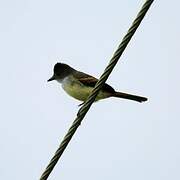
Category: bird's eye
[57,74]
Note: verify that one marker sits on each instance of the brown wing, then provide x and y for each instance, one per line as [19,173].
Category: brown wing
[90,81]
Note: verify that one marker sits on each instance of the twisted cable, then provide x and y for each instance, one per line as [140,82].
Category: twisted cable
[84,109]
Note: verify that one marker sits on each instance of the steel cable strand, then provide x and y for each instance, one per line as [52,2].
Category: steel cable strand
[84,109]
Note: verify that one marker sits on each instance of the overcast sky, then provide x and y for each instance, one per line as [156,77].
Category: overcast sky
[118,139]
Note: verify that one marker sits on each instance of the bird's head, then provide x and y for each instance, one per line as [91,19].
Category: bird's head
[61,70]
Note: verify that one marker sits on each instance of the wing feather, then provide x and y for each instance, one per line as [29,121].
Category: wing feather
[91,81]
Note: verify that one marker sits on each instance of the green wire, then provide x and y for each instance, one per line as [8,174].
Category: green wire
[84,109]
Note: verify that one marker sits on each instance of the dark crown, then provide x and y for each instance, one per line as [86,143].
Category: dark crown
[61,68]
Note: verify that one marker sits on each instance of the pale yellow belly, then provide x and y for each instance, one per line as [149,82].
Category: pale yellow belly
[81,92]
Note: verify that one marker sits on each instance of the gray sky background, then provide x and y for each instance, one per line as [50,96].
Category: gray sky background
[118,139]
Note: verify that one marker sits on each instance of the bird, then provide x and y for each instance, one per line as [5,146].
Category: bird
[79,85]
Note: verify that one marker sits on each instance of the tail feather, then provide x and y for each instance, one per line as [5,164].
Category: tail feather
[130,97]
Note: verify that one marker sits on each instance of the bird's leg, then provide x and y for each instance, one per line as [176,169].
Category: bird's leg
[80,104]
[78,114]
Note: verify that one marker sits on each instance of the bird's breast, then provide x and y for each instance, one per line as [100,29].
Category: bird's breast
[78,90]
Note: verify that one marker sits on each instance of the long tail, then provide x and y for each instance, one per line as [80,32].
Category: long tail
[130,97]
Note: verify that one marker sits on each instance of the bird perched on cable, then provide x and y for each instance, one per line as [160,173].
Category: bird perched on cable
[79,85]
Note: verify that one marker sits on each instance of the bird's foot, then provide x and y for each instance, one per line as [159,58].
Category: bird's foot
[80,104]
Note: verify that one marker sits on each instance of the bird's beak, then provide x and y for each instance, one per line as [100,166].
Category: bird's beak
[51,79]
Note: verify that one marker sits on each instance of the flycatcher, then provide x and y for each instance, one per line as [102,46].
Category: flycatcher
[79,85]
